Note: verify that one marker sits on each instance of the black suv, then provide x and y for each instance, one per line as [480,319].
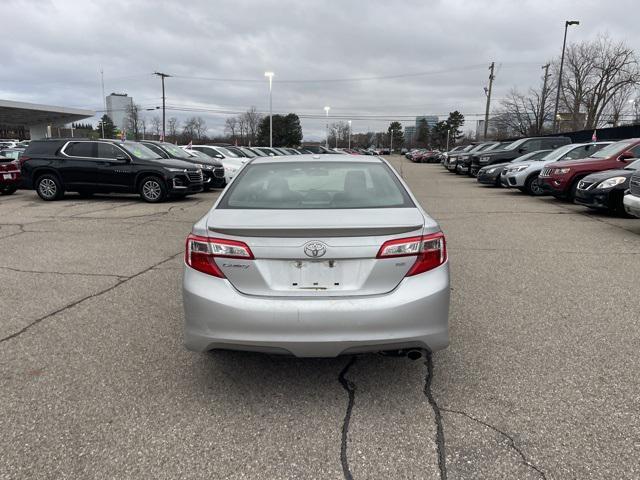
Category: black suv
[515,150]
[52,167]
[212,169]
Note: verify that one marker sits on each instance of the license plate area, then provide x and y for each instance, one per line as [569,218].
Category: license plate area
[315,275]
[7,176]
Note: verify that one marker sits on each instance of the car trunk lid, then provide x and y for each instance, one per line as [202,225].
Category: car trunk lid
[316,252]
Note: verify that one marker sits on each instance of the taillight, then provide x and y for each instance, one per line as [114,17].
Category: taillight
[22,159]
[200,253]
[430,251]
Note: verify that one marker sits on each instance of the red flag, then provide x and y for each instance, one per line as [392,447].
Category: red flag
[594,137]
[190,144]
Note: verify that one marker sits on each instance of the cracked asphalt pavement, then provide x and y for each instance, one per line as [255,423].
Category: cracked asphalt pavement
[540,380]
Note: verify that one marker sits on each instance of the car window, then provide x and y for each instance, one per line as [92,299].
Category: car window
[317,185]
[81,149]
[533,145]
[175,151]
[106,150]
[575,153]
[157,150]
[636,151]
[138,150]
[613,149]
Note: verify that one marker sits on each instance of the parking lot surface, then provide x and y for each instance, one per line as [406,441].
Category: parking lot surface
[540,380]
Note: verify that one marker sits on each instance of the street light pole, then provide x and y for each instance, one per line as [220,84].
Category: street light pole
[270,76]
[326,111]
[349,134]
[564,44]
[162,76]
[448,131]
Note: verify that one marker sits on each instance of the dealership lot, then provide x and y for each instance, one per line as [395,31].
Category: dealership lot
[540,380]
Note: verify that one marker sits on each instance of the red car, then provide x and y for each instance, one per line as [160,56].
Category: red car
[560,179]
[9,176]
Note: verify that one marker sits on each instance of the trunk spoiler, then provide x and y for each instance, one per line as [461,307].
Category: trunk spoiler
[317,232]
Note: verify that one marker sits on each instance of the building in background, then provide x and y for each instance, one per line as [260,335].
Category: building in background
[409,136]
[40,121]
[430,119]
[117,106]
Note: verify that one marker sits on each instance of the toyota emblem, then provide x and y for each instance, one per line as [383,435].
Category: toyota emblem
[315,249]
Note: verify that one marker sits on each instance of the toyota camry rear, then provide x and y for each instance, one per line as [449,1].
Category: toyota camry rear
[316,257]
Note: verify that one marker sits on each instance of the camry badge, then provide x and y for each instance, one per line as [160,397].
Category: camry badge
[315,249]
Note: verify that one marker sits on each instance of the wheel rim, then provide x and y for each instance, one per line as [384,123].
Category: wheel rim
[535,187]
[47,188]
[151,190]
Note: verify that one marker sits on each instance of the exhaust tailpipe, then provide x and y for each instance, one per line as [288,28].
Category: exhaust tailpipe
[414,354]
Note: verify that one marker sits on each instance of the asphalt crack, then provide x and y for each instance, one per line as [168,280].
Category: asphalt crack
[440,440]
[350,388]
[44,272]
[511,440]
[93,295]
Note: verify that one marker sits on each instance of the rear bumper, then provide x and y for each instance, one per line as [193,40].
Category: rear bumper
[10,178]
[414,315]
[632,204]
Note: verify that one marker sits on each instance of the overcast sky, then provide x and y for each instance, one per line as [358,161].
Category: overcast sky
[54,51]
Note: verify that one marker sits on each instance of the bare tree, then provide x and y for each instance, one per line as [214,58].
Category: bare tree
[156,125]
[242,128]
[341,131]
[231,127]
[252,120]
[172,128]
[596,74]
[133,120]
[525,115]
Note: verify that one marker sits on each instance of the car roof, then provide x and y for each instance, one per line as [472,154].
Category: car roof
[325,157]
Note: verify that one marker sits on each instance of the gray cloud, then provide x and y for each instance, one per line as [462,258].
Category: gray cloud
[58,48]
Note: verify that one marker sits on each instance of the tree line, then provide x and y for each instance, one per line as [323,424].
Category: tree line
[599,80]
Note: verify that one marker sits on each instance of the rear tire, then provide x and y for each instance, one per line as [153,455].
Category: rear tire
[8,190]
[49,187]
[152,189]
[532,186]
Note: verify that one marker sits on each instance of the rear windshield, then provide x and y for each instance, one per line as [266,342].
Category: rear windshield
[316,185]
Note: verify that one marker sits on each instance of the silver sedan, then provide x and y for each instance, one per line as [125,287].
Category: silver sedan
[316,256]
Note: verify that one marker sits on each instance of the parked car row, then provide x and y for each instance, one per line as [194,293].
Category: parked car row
[601,175]
[155,170]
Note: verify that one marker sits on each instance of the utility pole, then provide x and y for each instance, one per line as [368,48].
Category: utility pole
[163,76]
[104,100]
[486,112]
[543,98]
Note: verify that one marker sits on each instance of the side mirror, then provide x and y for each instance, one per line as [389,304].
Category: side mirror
[522,150]
[624,156]
[122,158]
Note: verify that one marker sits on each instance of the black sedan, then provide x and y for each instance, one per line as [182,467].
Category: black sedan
[605,190]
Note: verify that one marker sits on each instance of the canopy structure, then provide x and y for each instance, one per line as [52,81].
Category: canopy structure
[38,119]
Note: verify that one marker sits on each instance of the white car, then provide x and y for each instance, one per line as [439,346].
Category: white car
[523,175]
[231,161]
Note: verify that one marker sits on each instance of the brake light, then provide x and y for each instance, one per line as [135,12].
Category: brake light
[200,253]
[430,251]
[22,159]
